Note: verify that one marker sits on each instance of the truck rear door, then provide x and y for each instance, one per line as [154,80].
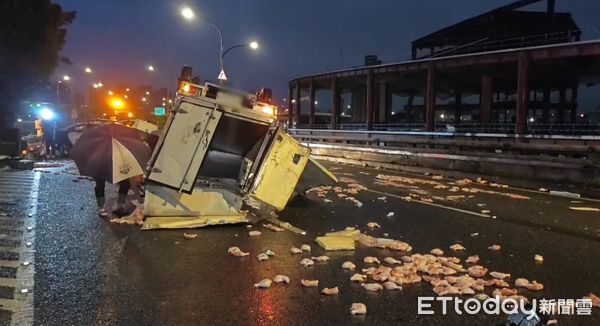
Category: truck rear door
[280,170]
[179,155]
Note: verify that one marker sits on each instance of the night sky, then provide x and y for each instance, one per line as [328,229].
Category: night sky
[119,38]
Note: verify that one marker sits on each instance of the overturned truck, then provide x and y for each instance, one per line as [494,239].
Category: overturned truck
[221,151]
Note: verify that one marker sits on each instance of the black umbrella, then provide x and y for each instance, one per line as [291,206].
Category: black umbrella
[111,152]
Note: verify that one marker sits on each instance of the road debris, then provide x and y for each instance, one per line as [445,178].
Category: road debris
[392,261]
[136,217]
[305,247]
[594,298]
[295,250]
[522,282]
[236,252]
[369,271]
[320,258]
[585,209]
[190,236]
[358,278]
[355,201]
[455,197]
[437,252]
[535,286]
[499,275]
[504,292]
[262,256]
[373,225]
[390,214]
[348,265]
[263,284]
[538,258]
[330,243]
[307,262]
[383,198]
[457,247]
[358,309]
[254,233]
[273,227]
[372,287]
[472,259]
[330,291]
[477,271]
[281,279]
[389,285]
[494,247]
[564,194]
[371,260]
[309,283]
[270,253]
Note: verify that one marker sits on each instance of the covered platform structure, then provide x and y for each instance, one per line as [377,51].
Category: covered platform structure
[460,84]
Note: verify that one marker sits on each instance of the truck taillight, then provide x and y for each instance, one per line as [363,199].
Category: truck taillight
[269,109]
[187,89]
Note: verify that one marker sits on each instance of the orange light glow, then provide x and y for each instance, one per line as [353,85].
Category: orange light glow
[268,110]
[116,103]
[129,115]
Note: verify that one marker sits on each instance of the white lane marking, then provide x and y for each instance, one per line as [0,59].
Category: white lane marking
[421,177]
[22,307]
[429,204]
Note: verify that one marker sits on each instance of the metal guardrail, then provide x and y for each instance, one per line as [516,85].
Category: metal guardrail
[485,44]
[556,146]
[566,129]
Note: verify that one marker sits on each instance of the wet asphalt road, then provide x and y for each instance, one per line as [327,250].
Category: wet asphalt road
[89,271]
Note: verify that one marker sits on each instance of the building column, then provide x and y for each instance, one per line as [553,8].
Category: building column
[562,103]
[522,93]
[409,105]
[430,99]
[311,104]
[289,104]
[546,105]
[486,98]
[370,96]
[335,103]
[574,103]
[297,111]
[382,103]
[457,107]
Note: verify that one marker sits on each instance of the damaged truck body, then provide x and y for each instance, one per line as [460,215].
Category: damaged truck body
[221,149]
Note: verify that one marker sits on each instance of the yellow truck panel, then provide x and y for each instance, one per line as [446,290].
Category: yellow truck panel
[281,170]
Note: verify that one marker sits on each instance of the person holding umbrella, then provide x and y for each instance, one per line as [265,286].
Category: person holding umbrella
[112,153]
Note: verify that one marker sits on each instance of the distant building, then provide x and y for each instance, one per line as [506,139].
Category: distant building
[502,70]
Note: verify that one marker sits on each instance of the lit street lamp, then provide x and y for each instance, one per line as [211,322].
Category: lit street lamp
[253,45]
[150,68]
[88,70]
[65,78]
[187,13]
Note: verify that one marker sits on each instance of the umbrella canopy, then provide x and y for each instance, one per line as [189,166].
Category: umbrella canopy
[111,152]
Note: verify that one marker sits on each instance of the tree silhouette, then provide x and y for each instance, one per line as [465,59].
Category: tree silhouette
[32,34]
